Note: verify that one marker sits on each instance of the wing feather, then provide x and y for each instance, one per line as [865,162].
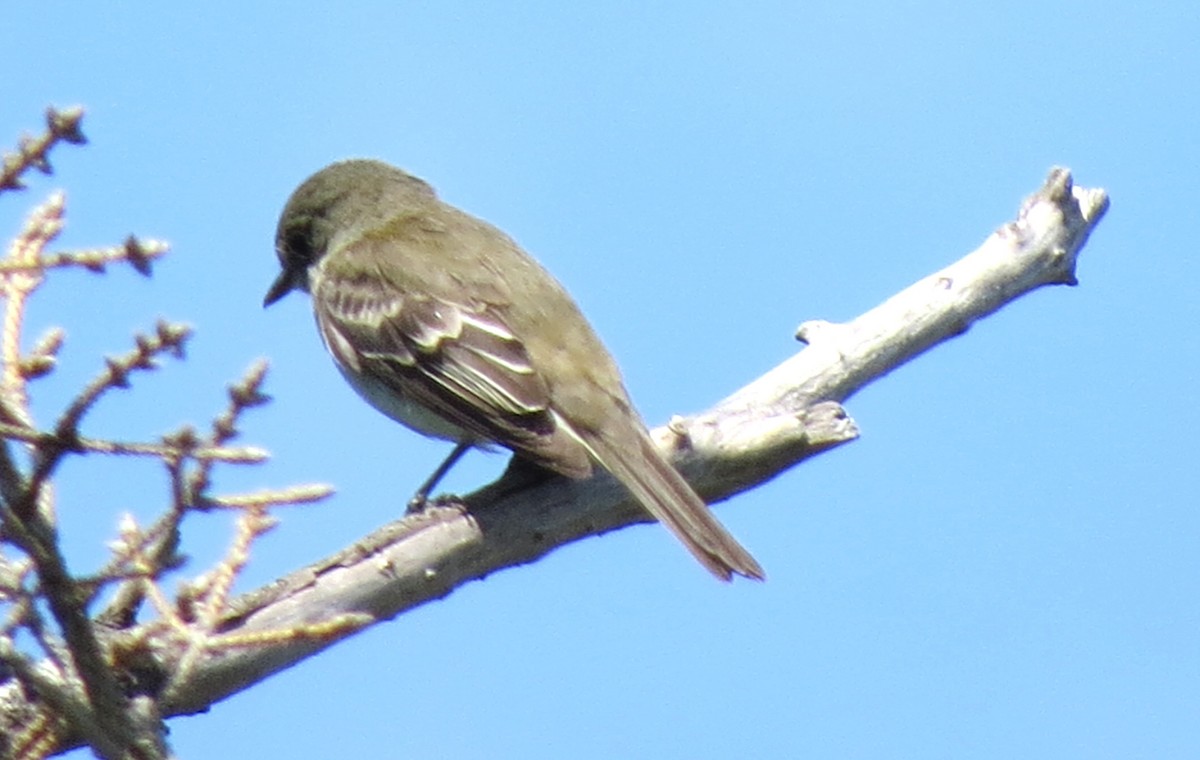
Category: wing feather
[459,361]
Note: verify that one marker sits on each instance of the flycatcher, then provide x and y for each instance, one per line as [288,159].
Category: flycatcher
[444,324]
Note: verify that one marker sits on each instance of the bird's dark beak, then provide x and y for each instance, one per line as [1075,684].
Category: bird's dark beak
[284,284]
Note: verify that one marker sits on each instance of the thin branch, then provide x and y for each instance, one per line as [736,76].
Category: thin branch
[41,227]
[168,338]
[138,253]
[83,444]
[243,395]
[107,729]
[33,152]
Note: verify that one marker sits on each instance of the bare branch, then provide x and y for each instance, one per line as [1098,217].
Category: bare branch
[245,394]
[33,152]
[82,444]
[776,421]
[138,253]
[201,645]
[1039,248]
[168,338]
[41,227]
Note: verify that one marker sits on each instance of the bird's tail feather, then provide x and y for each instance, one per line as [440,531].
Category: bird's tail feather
[669,499]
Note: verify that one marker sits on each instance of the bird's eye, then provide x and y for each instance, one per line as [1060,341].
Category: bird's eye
[296,247]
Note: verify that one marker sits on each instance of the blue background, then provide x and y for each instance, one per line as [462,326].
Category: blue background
[1005,565]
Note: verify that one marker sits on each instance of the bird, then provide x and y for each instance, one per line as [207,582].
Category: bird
[442,322]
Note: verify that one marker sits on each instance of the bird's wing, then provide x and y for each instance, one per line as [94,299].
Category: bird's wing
[459,361]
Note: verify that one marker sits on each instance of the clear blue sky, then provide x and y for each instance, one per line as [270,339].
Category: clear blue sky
[1005,565]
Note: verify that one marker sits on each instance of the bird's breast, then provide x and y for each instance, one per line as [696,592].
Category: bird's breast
[402,409]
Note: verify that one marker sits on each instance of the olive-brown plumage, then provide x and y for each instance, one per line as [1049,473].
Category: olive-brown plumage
[443,323]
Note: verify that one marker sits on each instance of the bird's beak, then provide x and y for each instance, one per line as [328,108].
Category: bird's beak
[284,284]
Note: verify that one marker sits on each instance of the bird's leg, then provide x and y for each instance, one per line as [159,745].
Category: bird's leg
[417,502]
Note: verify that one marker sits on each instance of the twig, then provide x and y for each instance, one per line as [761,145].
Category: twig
[168,338]
[33,152]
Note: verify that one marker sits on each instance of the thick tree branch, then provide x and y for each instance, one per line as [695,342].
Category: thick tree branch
[778,420]
[1039,248]
[790,413]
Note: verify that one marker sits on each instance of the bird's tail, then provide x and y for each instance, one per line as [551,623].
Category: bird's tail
[669,499]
